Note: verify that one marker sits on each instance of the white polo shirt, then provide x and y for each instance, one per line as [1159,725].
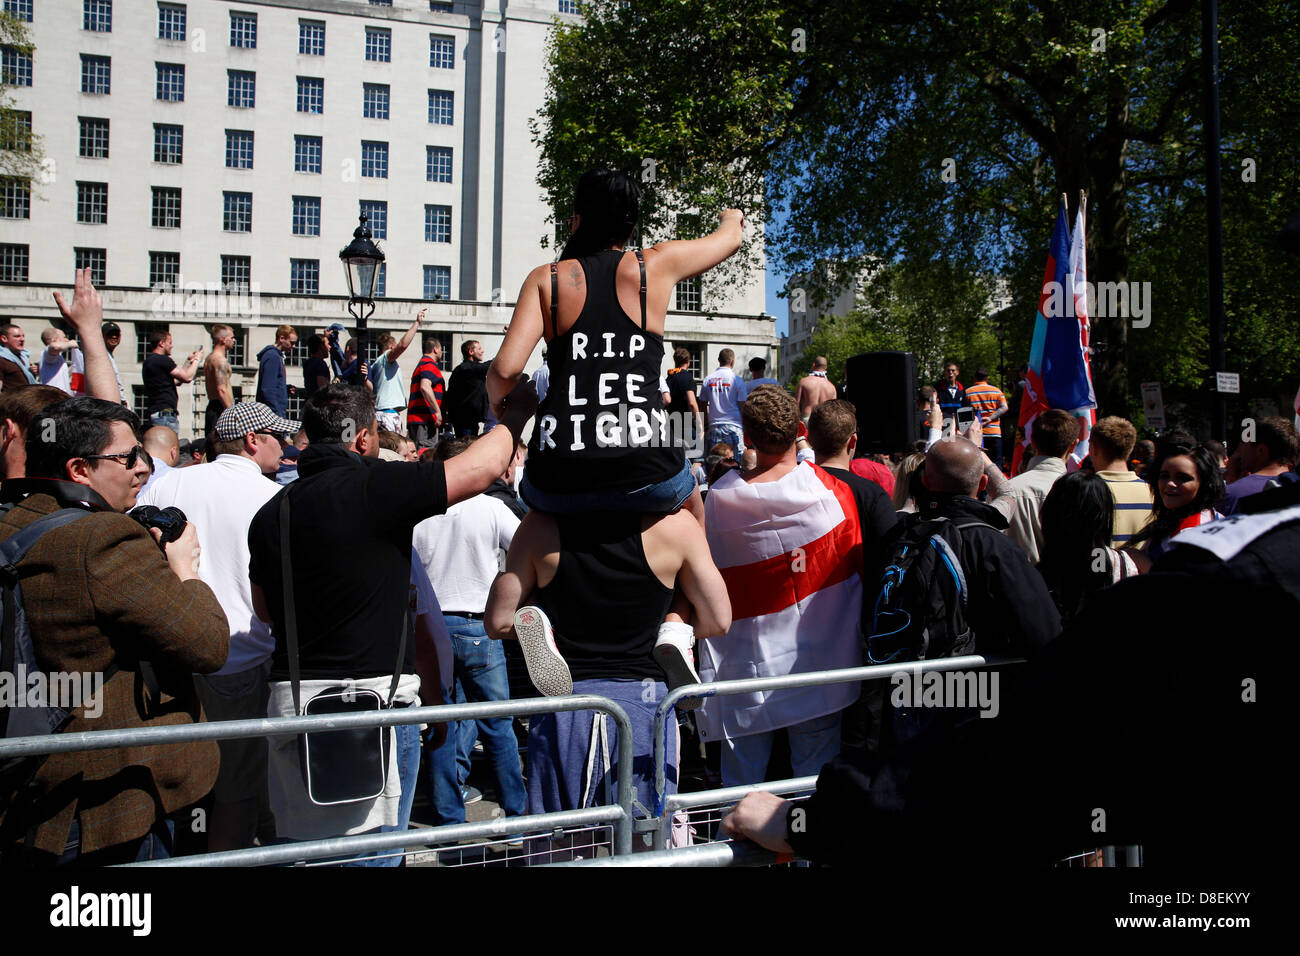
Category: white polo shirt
[724,390]
[220,498]
[459,550]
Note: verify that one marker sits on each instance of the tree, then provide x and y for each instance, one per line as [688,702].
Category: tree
[945,130]
[21,153]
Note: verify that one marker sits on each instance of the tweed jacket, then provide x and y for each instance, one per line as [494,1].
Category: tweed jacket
[98,592]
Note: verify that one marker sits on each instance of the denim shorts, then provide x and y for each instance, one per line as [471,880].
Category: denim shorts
[663,497]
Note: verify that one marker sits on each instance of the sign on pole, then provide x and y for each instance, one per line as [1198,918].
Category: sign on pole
[1153,404]
[1229,382]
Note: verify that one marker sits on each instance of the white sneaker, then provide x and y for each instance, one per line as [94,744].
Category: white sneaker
[674,655]
[546,667]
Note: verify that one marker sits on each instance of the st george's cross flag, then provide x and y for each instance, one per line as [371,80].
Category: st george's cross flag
[790,552]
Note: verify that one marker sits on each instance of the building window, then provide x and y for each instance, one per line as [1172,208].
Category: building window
[437,224]
[697,353]
[688,295]
[16,68]
[94,138]
[374,101]
[95,74]
[166,207]
[237,212]
[379,45]
[306,154]
[304,276]
[442,6]
[164,269]
[311,38]
[374,159]
[437,282]
[16,131]
[15,198]
[92,202]
[97,16]
[96,260]
[311,94]
[235,273]
[243,30]
[568,6]
[437,165]
[171,82]
[13,263]
[440,107]
[376,213]
[168,143]
[239,149]
[381,3]
[171,21]
[381,281]
[21,9]
[442,52]
[306,215]
[241,89]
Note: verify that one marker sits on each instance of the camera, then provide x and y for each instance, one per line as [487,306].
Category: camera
[170,521]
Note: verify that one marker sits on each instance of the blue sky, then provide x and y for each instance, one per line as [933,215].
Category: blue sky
[776,282]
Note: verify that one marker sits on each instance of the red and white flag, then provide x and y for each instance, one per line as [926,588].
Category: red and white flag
[790,552]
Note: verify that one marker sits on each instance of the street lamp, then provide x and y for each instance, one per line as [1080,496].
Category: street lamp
[361,260]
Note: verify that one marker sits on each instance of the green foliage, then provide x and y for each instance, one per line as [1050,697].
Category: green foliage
[21,152]
[945,131]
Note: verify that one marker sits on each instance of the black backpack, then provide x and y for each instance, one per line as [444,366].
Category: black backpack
[18,657]
[920,608]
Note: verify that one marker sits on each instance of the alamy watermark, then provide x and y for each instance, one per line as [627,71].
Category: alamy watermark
[180,300]
[63,689]
[934,689]
[1120,300]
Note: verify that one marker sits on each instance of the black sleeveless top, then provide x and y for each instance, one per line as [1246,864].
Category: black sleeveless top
[605,602]
[602,424]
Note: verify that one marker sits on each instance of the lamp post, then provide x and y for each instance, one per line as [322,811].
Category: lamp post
[361,260]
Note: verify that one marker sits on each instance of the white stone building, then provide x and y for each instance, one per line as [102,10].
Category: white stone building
[218,144]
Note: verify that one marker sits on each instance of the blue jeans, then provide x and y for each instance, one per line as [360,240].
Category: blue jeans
[170,419]
[733,435]
[154,845]
[480,676]
[813,744]
[407,742]
[664,497]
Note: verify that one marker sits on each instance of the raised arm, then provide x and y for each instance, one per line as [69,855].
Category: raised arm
[522,336]
[474,469]
[396,351]
[185,373]
[86,315]
[680,259]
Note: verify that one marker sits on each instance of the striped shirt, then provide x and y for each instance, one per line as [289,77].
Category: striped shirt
[986,399]
[1132,504]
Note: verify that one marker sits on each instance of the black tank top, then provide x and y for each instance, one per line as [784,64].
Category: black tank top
[602,424]
[605,602]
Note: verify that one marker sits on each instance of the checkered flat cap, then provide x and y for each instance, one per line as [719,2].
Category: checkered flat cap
[240,419]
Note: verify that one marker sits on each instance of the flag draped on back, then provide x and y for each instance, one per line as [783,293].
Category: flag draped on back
[1060,373]
[790,552]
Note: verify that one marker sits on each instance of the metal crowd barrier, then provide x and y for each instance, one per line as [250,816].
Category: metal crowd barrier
[619,815]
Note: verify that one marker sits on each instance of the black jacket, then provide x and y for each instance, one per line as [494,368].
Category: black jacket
[466,401]
[1144,709]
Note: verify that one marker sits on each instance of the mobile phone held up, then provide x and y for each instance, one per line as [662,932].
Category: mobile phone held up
[965,418]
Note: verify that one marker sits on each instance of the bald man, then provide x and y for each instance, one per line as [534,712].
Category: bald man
[165,450]
[1008,607]
[815,388]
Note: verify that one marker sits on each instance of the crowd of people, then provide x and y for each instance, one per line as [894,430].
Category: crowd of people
[378,552]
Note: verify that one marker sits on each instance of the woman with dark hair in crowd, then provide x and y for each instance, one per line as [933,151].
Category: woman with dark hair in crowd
[601,309]
[1186,483]
[1077,559]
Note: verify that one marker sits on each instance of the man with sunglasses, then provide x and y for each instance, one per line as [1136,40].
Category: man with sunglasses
[220,497]
[101,597]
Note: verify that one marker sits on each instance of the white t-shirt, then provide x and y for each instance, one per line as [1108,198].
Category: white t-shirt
[221,497]
[459,550]
[426,602]
[57,370]
[724,390]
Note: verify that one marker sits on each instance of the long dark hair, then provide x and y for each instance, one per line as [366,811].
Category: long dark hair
[1165,520]
[609,203]
[1078,524]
